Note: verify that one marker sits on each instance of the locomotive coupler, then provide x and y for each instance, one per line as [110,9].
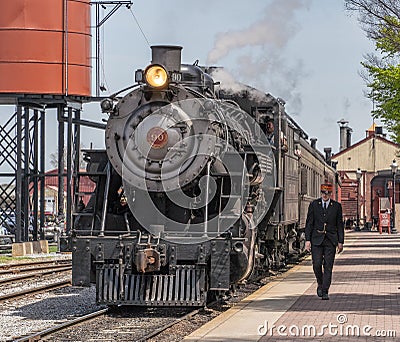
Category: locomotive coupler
[147,260]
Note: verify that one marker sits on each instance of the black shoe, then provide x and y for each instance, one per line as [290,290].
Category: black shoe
[319,291]
[325,296]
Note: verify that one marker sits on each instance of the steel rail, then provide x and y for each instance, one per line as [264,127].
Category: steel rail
[170,324]
[31,269]
[36,336]
[27,276]
[43,288]
[7,266]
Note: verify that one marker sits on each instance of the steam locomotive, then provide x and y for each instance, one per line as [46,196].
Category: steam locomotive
[191,197]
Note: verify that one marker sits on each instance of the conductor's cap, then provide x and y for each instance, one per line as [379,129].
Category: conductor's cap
[326,187]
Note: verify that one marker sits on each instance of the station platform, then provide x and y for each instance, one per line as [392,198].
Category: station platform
[364,302]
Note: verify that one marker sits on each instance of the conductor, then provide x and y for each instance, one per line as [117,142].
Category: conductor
[324,234]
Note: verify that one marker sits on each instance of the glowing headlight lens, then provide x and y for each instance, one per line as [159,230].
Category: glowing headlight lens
[156,76]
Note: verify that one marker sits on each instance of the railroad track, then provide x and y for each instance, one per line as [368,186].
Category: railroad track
[50,270]
[168,325]
[32,269]
[42,262]
[44,288]
[136,330]
[39,335]
[35,336]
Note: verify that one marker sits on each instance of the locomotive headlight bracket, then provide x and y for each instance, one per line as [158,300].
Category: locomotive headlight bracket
[156,76]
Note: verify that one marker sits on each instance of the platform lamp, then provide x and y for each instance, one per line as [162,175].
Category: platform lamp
[394,167]
[358,176]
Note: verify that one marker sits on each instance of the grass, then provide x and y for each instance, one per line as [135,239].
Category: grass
[4,259]
[52,248]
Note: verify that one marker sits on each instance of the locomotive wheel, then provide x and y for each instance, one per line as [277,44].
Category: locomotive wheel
[302,241]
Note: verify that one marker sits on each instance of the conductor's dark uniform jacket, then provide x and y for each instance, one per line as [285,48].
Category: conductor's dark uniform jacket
[321,224]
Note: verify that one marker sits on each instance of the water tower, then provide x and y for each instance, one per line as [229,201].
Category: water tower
[45,64]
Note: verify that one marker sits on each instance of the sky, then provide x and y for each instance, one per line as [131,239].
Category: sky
[307,52]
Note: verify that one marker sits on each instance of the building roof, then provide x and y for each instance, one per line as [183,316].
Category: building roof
[372,136]
[372,128]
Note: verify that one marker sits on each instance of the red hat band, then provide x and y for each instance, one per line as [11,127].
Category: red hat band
[326,187]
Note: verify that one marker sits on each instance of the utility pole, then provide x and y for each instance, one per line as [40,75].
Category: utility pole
[99,23]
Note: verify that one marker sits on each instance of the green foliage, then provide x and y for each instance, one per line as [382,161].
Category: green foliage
[380,20]
[389,37]
[385,78]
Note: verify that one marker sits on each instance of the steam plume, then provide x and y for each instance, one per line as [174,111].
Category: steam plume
[274,29]
[264,67]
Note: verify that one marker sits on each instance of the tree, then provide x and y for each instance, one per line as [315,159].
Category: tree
[385,92]
[54,158]
[380,19]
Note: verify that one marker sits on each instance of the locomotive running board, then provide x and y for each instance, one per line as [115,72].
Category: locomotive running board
[185,288]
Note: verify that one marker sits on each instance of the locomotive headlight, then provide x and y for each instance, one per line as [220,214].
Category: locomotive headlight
[156,76]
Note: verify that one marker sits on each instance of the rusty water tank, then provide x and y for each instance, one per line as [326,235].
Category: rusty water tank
[45,47]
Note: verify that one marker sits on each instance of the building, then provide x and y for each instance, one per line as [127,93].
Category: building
[372,156]
[86,187]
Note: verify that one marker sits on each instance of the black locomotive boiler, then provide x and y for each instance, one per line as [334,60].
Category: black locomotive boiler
[191,197]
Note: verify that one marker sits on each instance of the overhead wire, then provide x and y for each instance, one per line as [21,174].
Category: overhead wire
[102,57]
[102,62]
[140,28]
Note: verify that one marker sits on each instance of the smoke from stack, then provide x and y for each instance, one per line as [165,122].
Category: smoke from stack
[264,66]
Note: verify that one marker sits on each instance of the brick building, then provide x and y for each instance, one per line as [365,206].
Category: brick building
[373,155]
[86,186]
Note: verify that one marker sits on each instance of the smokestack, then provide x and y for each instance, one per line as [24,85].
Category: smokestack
[344,135]
[328,154]
[167,55]
[313,142]
[348,137]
